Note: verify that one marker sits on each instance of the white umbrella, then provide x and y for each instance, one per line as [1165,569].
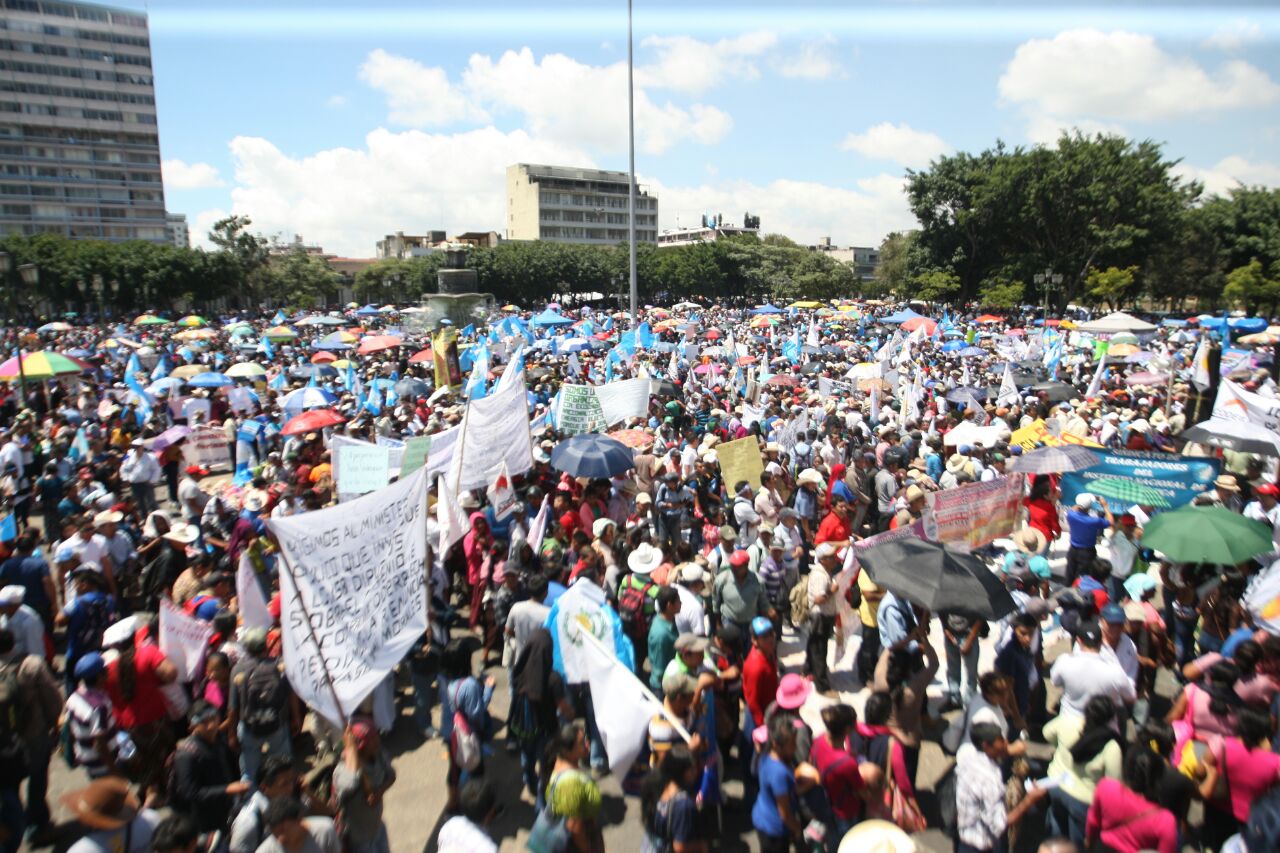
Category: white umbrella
[1117,321]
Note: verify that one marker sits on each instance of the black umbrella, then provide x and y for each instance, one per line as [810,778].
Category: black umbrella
[592,455]
[938,578]
[663,388]
[808,349]
[410,387]
[832,349]
[811,367]
[964,395]
[1056,392]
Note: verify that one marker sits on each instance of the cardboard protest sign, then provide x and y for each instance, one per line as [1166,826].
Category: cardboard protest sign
[353,593]
[362,468]
[416,451]
[974,514]
[740,460]
[207,446]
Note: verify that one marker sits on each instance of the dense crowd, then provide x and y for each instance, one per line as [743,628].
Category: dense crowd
[1127,700]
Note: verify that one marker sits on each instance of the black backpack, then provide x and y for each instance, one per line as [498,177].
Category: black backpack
[263,698]
[14,766]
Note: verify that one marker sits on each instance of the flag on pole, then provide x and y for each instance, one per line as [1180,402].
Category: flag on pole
[538,528]
[623,706]
[1200,365]
[1008,395]
[502,497]
[1095,387]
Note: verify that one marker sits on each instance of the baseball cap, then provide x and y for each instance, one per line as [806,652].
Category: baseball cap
[739,558]
[1268,489]
[761,625]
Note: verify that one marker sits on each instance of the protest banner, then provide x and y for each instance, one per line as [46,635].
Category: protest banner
[495,429]
[502,497]
[1263,598]
[253,604]
[1036,434]
[353,593]
[183,639]
[585,609]
[416,451]
[1178,479]
[740,460]
[622,400]
[578,410]
[974,514]
[444,356]
[443,445]
[362,468]
[207,446]
[1234,403]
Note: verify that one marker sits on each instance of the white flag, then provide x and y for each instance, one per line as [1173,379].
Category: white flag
[623,707]
[184,640]
[502,497]
[1008,395]
[450,517]
[538,528]
[1095,387]
[514,371]
[494,429]
[253,606]
[1200,364]
[575,366]
[875,403]
[812,338]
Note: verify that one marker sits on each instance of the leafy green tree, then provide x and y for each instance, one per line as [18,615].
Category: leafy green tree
[935,285]
[1112,285]
[895,262]
[1249,287]
[1002,293]
[247,253]
[300,280]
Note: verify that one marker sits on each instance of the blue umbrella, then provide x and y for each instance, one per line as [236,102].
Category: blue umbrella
[592,455]
[320,371]
[964,395]
[767,308]
[295,402]
[165,384]
[211,379]
[953,346]
[969,352]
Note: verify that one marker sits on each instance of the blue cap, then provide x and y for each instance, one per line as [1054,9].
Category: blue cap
[965,449]
[761,625]
[208,609]
[1113,614]
[90,666]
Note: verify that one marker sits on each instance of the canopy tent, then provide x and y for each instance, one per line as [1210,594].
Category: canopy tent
[1115,322]
[551,318]
[767,308]
[900,317]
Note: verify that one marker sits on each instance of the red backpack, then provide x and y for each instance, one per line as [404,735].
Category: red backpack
[632,607]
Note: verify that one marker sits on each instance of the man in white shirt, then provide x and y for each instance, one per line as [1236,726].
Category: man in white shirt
[1085,673]
[190,496]
[1266,508]
[21,621]
[91,548]
[768,502]
[981,814]
[691,581]
[1116,644]
[744,512]
[141,470]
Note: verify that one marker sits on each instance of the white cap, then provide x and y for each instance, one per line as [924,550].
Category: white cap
[12,594]
[1085,500]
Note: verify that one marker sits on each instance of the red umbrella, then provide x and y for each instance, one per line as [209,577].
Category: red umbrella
[375,343]
[633,438]
[316,419]
[713,334]
[916,322]
[747,359]
[422,355]
[323,356]
[988,318]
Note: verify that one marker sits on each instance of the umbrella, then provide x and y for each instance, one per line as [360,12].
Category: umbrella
[312,421]
[783,380]
[634,438]
[323,357]
[1147,378]
[965,395]
[936,577]
[1122,339]
[279,333]
[319,371]
[322,321]
[712,334]
[764,321]
[1207,534]
[592,455]
[57,326]
[1241,436]
[916,322]
[192,321]
[170,437]
[1128,492]
[377,343]
[865,385]
[149,320]
[410,387]
[196,335]
[811,367]
[809,349]
[164,385]
[187,371]
[246,370]
[970,352]
[210,379]
[1055,392]
[1055,460]
[806,304]
[306,398]
[421,356]
[42,365]
[702,369]
[1139,357]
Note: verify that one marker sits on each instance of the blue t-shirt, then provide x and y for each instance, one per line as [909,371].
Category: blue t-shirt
[776,781]
[29,573]
[87,618]
[1085,528]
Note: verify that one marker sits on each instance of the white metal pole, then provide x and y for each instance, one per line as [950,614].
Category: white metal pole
[631,190]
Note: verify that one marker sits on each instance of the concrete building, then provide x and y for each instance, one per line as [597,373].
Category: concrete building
[713,228]
[568,205]
[79,144]
[179,234]
[400,245]
[865,261]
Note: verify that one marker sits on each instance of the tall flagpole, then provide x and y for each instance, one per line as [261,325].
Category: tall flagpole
[631,189]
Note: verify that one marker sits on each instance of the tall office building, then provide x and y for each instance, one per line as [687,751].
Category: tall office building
[568,205]
[79,144]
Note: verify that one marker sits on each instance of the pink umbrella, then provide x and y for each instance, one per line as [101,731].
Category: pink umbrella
[170,437]
[1147,378]
[709,368]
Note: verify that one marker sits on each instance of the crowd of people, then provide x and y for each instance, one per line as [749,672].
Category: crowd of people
[1060,717]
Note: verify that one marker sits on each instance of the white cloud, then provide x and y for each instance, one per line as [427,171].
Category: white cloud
[813,61]
[803,210]
[573,104]
[417,95]
[690,66]
[898,142]
[1122,76]
[1234,36]
[180,175]
[1231,172]
[336,101]
[202,224]
[1045,129]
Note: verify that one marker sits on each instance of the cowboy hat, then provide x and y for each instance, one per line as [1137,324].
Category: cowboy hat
[182,534]
[1227,483]
[1030,540]
[644,559]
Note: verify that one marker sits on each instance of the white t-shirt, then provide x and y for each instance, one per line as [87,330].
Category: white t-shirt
[108,841]
[1083,675]
[1123,554]
[196,406]
[692,617]
[459,835]
[188,491]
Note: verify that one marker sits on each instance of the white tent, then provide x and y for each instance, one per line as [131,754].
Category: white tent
[1115,323]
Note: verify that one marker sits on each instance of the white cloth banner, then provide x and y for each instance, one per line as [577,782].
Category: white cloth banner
[622,400]
[253,605]
[495,429]
[442,447]
[1008,395]
[502,497]
[208,447]
[451,519]
[1236,404]
[623,708]
[184,640]
[359,572]
[582,600]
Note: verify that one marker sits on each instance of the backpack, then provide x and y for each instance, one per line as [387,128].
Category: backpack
[171,777]
[464,742]
[632,606]
[799,601]
[262,698]
[14,766]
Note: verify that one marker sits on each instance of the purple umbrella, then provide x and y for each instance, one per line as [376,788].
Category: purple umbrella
[170,437]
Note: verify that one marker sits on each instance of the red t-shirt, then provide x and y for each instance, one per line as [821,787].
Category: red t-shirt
[840,777]
[833,529]
[759,683]
[148,702]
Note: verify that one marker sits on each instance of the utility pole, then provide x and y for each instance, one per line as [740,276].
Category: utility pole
[631,190]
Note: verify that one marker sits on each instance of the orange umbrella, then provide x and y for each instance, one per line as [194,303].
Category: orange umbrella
[636,439]
[322,357]
[377,343]
[423,355]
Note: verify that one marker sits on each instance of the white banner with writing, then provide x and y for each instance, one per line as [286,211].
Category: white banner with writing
[183,639]
[358,573]
[495,429]
[207,446]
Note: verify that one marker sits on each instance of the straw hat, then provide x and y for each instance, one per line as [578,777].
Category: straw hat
[106,803]
[1030,540]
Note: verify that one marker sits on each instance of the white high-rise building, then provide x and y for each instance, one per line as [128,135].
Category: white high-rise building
[568,205]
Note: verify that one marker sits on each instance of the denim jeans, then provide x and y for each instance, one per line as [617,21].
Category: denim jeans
[955,689]
[254,749]
[1067,815]
[580,695]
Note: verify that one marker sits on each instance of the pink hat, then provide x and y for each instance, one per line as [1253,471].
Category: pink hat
[793,690]
[760,736]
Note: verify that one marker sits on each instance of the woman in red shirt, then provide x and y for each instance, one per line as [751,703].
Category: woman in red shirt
[1042,508]
[133,682]
[836,527]
[1124,815]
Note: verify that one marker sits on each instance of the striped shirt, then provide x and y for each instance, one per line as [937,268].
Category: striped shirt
[89,711]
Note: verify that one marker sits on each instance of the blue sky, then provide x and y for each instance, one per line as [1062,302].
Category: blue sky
[344,121]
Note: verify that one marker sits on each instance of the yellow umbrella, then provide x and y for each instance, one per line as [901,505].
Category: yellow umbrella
[280,333]
[186,371]
[763,321]
[1123,349]
[246,369]
[864,370]
[807,304]
[196,335]
[340,364]
[192,321]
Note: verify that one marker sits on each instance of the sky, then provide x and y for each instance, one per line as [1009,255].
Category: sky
[343,121]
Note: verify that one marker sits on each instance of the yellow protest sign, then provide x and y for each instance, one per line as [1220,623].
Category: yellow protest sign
[740,460]
[1038,434]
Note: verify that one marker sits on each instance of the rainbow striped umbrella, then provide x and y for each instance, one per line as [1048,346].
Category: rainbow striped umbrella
[192,321]
[149,320]
[42,365]
[280,333]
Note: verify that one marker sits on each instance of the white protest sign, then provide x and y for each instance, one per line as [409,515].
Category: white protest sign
[363,468]
[1234,403]
[416,451]
[502,497]
[358,572]
[578,410]
[495,429]
[183,639]
[622,400]
[442,446]
[207,446]
[253,604]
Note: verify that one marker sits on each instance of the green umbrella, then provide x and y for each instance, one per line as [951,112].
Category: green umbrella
[1207,534]
[1129,492]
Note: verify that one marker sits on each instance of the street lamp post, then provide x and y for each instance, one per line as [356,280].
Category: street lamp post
[1047,281]
[97,292]
[631,188]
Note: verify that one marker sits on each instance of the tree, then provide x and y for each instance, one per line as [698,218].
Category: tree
[933,285]
[1111,285]
[1001,293]
[1249,287]
[247,254]
[301,280]
[895,262]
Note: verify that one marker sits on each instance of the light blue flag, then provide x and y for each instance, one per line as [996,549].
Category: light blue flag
[8,529]
[607,325]
[219,359]
[79,446]
[161,369]
[268,348]
[279,381]
[392,397]
[468,330]
[145,400]
[644,336]
[475,387]
[279,319]
[311,383]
